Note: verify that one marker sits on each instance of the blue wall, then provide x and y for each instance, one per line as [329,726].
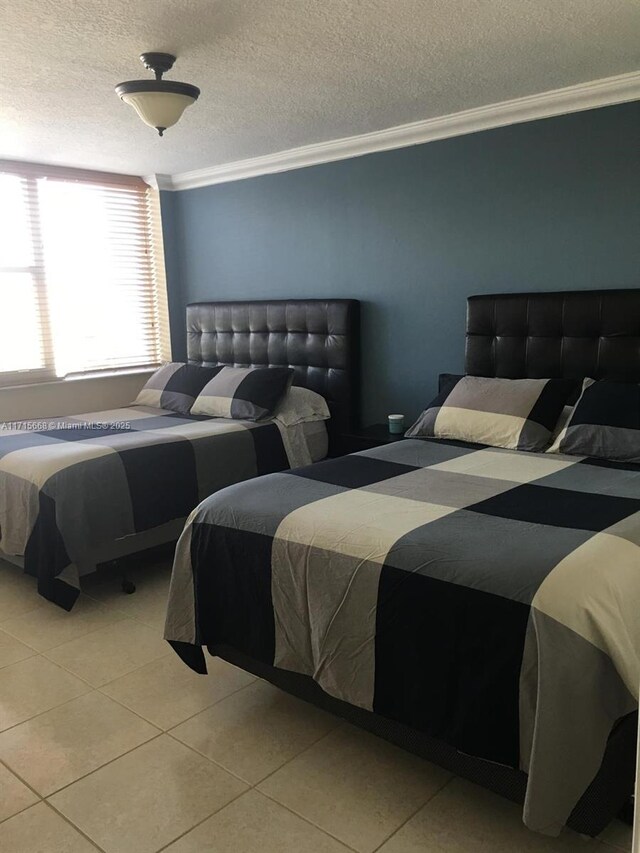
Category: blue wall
[552,204]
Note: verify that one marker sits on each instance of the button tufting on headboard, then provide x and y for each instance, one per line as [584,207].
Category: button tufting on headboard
[569,334]
[318,338]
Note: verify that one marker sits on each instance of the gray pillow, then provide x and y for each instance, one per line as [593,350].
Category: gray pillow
[514,413]
[246,393]
[175,386]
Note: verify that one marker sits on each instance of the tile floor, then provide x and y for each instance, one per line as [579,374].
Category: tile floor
[108,742]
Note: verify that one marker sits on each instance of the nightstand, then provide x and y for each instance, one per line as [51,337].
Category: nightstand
[366,437]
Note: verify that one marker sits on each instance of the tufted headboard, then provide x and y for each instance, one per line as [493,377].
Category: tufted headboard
[569,334]
[319,338]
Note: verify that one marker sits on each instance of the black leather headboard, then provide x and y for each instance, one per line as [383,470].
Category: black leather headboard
[319,338]
[569,334]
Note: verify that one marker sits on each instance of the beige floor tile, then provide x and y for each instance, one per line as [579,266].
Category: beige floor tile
[48,625]
[148,797]
[14,795]
[166,691]
[463,818]
[18,593]
[619,835]
[254,824]
[150,610]
[32,686]
[357,787]
[149,602]
[256,730]
[110,652]
[70,741]
[12,650]
[40,830]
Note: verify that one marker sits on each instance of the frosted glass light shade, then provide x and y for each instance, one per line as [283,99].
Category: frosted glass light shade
[158,109]
[159,103]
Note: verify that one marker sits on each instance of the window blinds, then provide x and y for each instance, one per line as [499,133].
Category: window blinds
[82,284]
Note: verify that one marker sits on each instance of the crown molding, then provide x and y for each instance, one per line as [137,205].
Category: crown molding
[159,182]
[584,96]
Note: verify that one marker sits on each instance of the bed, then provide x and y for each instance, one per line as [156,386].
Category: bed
[446,596]
[87,489]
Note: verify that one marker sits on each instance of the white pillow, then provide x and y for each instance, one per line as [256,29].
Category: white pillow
[301,405]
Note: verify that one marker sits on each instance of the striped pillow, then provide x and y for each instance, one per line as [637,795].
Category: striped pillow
[604,423]
[175,386]
[246,393]
[519,414]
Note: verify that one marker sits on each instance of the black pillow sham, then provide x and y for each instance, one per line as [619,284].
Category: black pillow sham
[175,386]
[605,422]
[246,393]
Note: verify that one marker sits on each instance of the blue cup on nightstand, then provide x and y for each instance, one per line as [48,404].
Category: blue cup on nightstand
[396,424]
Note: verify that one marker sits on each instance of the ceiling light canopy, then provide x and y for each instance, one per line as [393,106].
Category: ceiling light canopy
[159,103]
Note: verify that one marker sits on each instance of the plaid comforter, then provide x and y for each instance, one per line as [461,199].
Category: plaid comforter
[486,597]
[69,488]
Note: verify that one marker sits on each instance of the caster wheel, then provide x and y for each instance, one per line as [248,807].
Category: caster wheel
[128,587]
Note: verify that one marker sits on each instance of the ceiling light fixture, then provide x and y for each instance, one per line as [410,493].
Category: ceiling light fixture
[159,103]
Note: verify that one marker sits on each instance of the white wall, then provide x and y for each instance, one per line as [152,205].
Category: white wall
[70,396]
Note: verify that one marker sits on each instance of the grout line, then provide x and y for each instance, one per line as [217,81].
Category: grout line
[231,772]
[64,642]
[196,825]
[345,724]
[53,707]
[306,819]
[339,724]
[411,816]
[92,689]
[21,613]
[175,725]
[106,764]
[159,733]
[98,686]
[26,784]
[20,660]
[21,811]
[210,760]
[302,752]
[73,825]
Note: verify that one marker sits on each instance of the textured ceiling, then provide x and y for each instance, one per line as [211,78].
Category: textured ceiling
[276,74]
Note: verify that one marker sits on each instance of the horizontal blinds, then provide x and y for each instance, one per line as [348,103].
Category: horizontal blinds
[89,284]
[26,352]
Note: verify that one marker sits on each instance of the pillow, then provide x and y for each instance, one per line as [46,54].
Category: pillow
[246,393]
[175,386]
[519,414]
[301,405]
[604,423]
[563,420]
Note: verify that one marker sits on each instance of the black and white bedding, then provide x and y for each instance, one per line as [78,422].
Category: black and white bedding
[487,597]
[70,487]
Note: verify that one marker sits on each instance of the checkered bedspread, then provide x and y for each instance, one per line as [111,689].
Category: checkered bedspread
[486,597]
[70,487]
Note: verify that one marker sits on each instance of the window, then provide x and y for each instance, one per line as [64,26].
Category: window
[82,284]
